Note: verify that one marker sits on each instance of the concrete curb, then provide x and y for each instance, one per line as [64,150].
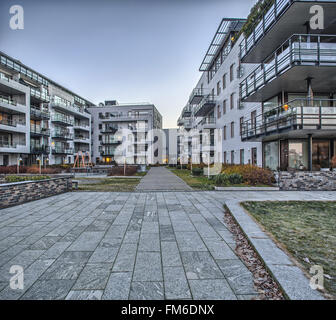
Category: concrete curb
[289,276]
[247,188]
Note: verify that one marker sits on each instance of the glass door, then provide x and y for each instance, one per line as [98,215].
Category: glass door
[321,154]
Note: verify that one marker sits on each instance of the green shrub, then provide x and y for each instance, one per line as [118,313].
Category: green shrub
[222,180]
[10,179]
[235,178]
[197,171]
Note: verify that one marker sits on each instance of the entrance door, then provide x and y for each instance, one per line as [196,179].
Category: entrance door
[321,154]
[254,156]
[5,159]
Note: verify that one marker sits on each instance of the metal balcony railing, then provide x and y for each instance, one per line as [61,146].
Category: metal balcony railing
[39,149]
[40,114]
[39,130]
[62,150]
[205,106]
[268,19]
[11,123]
[62,135]
[299,49]
[298,114]
[39,95]
[196,96]
[7,100]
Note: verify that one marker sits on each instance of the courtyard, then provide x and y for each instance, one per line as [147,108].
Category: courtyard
[129,245]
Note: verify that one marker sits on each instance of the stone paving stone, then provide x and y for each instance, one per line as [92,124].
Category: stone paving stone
[190,241]
[49,290]
[170,254]
[219,249]
[175,283]
[93,276]
[211,290]
[148,267]
[56,250]
[200,265]
[118,286]
[87,241]
[167,233]
[84,295]
[150,227]
[132,237]
[63,271]
[149,242]
[125,258]
[75,256]
[147,291]
[44,243]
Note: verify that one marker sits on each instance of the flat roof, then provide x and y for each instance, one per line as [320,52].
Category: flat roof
[226,26]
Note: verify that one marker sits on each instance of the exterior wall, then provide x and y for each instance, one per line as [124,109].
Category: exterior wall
[307,181]
[20,192]
[153,119]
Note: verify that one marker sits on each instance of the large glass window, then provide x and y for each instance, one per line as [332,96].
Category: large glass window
[321,151]
[271,155]
[270,104]
[298,155]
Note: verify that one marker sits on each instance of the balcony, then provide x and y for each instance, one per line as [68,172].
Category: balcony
[108,152]
[69,108]
[63,135]
[196,96]
[111,141]
[296,119]
[11,147]
[39,131]
[80,126]
[62,150]
[40,149]
[186,112]
[36,114]
[138,129]
[206,105]
[81,139]
[208,123]
[38,95]
[299,58]
[62,120]
[277,24]
[110,129]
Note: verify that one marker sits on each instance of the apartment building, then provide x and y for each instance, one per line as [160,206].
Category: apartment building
[269,91]
[214,110]
[295,82]
[117,125]
[39,119]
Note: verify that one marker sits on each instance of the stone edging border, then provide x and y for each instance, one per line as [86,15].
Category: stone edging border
[285,272]
[247,188]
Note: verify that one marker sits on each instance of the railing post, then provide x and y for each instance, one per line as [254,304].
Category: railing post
[301,117]
[320,116]
[318,50]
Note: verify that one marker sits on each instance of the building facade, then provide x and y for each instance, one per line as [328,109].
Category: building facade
[269,92]
[40,121]
[126,132]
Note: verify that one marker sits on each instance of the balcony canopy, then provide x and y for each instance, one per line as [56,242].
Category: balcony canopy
[226,26]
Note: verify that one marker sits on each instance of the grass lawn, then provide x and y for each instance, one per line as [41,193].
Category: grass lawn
[199,183]
[306,229]
[107,184]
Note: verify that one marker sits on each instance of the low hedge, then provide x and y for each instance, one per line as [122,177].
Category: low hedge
[10,179]
[197,171]
[119,171]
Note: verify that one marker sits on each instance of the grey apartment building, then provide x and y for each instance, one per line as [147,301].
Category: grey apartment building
[125,131]
[40,120]
[270,90]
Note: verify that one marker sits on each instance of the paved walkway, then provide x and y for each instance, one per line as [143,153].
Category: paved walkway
[161,179]
[164,245]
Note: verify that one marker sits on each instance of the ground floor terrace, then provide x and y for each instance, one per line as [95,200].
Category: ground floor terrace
[140,245]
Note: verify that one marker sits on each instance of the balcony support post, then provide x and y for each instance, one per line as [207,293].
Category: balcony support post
[310,150]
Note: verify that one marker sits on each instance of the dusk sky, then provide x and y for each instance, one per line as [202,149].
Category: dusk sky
[128,50]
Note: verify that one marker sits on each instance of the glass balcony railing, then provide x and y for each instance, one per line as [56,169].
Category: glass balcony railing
[208,122]
[12,123]
[196,96]
[297,114]
[7,100]
[39,149]
[62,135]
[62,119]
[39,95]
[300,49]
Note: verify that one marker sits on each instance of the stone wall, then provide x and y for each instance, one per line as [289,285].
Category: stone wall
[307,181]
[19,192]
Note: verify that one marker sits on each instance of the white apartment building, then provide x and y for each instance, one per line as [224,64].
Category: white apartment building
[126,131]
[214,105]
[39,119]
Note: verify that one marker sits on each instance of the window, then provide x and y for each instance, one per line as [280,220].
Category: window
[224,106]
[213,92]
[218,88]
[232,129]
[225,157]
[232,101]
[241,156]
[254,156]
[100,126]
[253,119]
[224,81]
[232,157]
[218,112]
[232,72]
[241,121]
[100,138]
[224,133]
